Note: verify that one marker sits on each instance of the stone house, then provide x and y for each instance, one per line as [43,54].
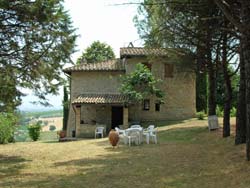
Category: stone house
[95,97]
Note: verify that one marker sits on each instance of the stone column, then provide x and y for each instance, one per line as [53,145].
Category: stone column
[125,117]
[77,120]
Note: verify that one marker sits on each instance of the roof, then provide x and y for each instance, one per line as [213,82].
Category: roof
[139,51]
[100,98]
[111,65]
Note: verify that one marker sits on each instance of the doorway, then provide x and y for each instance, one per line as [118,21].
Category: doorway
[117,116]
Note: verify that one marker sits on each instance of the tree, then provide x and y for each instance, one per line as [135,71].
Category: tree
[65,108]
[220,90]
[8,123]
[52,127]
[238,13]
[34,131]
[183,24]
[240,136]
[36,40]
[200,27]
[96,52]
[140,84]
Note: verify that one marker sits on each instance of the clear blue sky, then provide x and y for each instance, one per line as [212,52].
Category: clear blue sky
[96,20]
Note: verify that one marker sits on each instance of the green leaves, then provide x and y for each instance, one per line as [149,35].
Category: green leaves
[7,127]
[97,52]
[140,84]
[34,131]
[36,40]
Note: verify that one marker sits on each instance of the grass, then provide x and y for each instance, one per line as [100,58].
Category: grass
[187,156]
[44,136]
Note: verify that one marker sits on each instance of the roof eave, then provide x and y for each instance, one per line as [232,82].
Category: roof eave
[114,103]
[144,55]
[70,71]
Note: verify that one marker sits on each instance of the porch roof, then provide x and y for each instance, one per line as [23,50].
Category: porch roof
[100,98]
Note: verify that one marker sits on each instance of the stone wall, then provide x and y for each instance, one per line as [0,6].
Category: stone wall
[92,82]
[179,92]
[179,96]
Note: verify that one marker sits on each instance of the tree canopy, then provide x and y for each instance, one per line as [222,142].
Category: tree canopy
[96,52]
[36,40]
[140,84]
[200,27]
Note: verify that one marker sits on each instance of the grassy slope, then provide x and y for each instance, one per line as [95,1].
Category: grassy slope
[187,156]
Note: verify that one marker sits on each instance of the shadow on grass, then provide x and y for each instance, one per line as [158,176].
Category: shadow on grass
[51,142]
[184,135]
[11,165]
[163,123]
[162,165]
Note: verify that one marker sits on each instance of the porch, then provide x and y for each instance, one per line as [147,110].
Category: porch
[92,110]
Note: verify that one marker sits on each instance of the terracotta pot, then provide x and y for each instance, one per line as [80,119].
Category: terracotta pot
[62,134]
[113,137]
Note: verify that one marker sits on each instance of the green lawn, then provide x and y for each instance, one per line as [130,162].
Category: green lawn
[187,156]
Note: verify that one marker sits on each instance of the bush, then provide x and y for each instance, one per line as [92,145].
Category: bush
[52,127]
[7,127]
[200,115]
[219,111]
[233,112]
[34,131]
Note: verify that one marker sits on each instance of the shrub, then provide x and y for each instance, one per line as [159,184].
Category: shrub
[233,112]
[200,115]
[34,131]
[7,127]
[219,111]
[52,127]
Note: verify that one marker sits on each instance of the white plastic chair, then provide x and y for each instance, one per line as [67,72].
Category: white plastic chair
[121,134]
[132,135]
[153,135]
[150,132]
[99,131]
[135,126]
[213,122]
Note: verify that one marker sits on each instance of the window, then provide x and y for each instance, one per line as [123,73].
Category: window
[146,104]
[157,106]
[147,65]
[169,70]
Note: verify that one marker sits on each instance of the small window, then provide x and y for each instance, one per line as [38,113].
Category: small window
[146,104]
[147,65]
[157,107]
[169,70]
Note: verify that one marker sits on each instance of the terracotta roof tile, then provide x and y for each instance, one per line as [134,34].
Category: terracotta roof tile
[100,98]
[139,51]
[111,65]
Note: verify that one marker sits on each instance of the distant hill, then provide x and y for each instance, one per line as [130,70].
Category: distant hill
[43,114]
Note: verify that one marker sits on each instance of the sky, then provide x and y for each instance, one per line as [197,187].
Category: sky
[101,20]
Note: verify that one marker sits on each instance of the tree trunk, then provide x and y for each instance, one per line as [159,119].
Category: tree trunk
[245,17]
[246,53]
[65,108]
[201,92]
[211,89]
[228,88]
[211,76]
[240,136]
[201,82]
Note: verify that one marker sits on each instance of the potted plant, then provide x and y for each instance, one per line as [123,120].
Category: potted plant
[62,134]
